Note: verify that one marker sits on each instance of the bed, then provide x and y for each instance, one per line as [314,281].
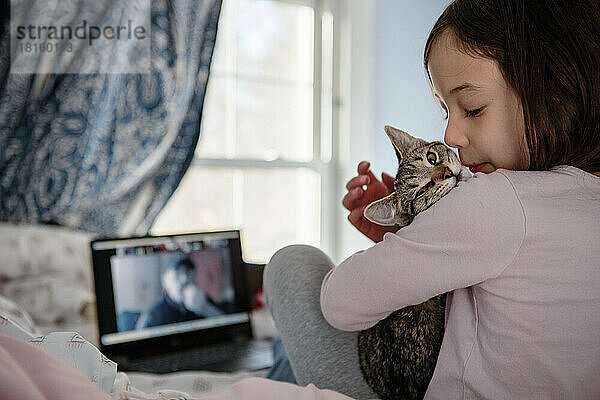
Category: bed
[47,299]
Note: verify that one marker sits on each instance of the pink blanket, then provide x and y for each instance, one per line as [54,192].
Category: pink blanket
[30,373]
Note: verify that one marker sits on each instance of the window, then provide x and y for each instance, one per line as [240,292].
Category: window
[264,159]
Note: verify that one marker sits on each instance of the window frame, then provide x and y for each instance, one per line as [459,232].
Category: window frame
[325,164]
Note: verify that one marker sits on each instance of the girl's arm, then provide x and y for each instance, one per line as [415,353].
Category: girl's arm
[470,235]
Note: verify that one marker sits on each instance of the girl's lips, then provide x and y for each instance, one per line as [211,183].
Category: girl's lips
[477,167]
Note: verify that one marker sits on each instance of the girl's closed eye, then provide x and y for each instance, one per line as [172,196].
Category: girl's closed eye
[468,113]
[474,112]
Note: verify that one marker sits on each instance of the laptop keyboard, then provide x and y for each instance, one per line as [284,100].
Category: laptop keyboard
[210,357]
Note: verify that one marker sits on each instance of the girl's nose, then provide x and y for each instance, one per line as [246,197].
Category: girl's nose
[455,137]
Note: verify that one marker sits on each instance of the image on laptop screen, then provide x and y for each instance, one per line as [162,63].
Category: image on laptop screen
[171,285]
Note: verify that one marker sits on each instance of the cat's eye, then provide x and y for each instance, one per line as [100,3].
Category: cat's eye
[421,192]
[431,157]
[424,189]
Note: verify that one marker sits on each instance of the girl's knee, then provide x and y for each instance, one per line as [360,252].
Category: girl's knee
[293,265]
[282,265]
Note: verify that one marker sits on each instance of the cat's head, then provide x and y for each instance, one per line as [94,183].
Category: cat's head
[426,172]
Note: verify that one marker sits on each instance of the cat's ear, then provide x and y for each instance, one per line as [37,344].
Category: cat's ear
[402,141]
[386,212]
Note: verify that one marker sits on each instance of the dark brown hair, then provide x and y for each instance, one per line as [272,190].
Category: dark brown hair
[549,53]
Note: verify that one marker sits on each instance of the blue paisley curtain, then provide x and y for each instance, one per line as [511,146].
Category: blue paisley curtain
[103,152]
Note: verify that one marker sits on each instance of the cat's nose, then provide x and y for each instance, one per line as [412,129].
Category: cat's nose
[447,173]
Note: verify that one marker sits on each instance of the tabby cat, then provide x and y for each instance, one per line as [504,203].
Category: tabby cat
[398,355]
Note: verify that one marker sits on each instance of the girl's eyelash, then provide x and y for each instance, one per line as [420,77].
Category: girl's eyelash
[473,113]
[468,113]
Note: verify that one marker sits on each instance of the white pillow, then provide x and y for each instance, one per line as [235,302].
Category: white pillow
[27,250]
[47,271]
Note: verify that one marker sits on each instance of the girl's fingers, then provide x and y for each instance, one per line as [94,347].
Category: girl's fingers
[356,216]
[372,177]
[374,188]
[358,181]
[350,199]
[363,167]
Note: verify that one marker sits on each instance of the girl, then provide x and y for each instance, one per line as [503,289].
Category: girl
[516,247]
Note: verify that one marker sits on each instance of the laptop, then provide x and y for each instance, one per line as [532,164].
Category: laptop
[176,302]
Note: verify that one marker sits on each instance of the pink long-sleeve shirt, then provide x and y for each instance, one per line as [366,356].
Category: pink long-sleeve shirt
[520,254]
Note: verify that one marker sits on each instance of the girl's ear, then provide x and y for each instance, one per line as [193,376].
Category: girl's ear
[386,212]
[402,141]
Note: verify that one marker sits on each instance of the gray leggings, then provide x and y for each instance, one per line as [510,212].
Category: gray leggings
[318,353]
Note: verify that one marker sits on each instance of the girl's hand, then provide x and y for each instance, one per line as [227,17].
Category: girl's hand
[357,199]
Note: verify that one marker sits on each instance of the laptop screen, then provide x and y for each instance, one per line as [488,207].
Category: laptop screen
[158,286]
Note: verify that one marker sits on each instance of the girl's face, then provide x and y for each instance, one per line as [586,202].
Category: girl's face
[485,117]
